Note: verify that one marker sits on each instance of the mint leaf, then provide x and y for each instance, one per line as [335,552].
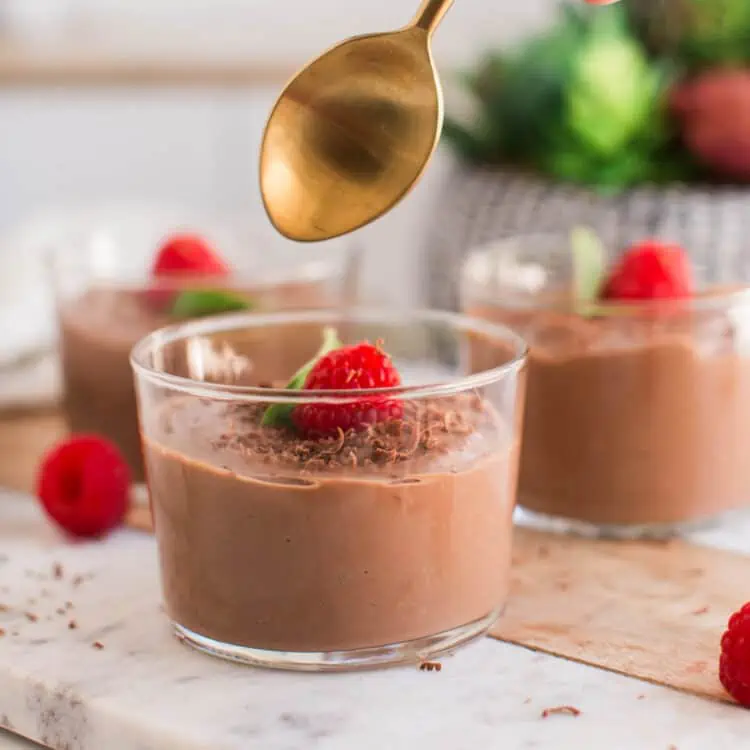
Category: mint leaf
[278,414]
[589,264]
[198,303]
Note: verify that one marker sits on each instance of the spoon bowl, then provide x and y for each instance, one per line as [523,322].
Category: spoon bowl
[351,134]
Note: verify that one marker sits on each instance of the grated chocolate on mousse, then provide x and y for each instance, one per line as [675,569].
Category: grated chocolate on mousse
[436,427]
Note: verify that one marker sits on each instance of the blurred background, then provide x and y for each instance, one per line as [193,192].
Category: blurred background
[134,115]
[162,102]
[122,118]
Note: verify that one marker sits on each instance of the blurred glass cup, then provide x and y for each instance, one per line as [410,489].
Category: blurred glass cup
[636,416]
[106,300]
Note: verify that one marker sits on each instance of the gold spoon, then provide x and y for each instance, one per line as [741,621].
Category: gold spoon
[351,134]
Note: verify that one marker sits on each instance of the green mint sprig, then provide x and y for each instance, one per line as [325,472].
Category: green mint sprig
[199,303]
[589,267]
[279,414]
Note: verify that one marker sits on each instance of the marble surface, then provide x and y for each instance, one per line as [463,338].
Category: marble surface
[10,741]
[145,691]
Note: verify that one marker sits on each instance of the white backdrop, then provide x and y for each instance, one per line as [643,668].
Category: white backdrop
[283,29]
[196,149]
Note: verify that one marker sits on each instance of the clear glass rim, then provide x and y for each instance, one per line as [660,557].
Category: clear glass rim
[235,321]
[59,260]
[721,297]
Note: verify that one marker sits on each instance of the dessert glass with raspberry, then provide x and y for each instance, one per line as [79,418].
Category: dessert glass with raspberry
[357,511]
[639,382]
[109,296]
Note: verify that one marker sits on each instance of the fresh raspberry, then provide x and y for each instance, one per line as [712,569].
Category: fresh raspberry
[83,484]
[183,256]
[650,270]
[349,368]
[188,254]
[734,663]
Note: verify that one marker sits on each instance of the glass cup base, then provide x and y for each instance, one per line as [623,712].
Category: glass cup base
[616,532]
[407,652]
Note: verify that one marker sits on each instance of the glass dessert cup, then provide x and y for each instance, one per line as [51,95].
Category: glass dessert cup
[636,417]
[106,302]
[374,547]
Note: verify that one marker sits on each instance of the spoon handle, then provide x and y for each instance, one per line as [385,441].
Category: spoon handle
[430,14]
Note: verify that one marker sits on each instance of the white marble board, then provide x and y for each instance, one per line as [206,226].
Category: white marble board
[145,691]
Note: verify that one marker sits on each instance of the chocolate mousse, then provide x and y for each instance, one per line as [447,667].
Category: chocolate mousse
[636,415]
[632,422]
[273,541]
[100,327]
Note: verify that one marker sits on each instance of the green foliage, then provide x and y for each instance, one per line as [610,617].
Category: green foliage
[699,34]
[582,102]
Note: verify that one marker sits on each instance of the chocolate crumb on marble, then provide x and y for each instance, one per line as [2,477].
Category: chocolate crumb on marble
[57,571]
[98,645]
[569,710]
[31,617]
[72,625]
[430,666]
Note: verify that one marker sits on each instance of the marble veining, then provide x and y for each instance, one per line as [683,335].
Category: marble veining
[87,662]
